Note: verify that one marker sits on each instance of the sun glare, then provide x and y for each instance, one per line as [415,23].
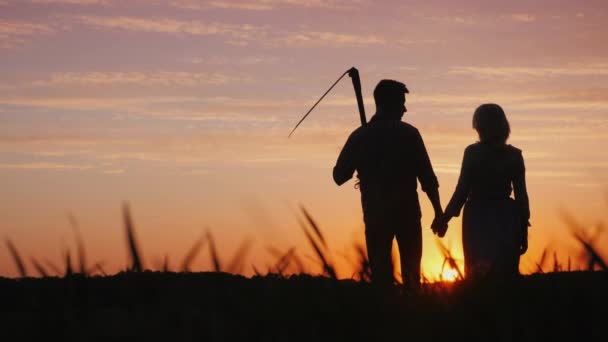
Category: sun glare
[449,274]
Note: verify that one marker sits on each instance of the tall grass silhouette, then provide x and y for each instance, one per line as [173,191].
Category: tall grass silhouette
[16,257]
[318,243]
[286,261]
[136,260]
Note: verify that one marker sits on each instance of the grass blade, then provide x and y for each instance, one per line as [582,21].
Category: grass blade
[217,266]
[578,231]
[449,259]
[327,267]
[68,264]
[314,226]
[43,273]
[236,264]
[98,266]
[79,245]
[256,271]
[192,253]
[16,257]
[364,269]
[284,261]
[166,266]
[541,262]
[136,261]
[52,266]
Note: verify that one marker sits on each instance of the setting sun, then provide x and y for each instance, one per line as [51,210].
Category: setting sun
[449,274]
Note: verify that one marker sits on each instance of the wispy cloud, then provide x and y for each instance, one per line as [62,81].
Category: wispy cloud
[450,19]
[215,110]
[240,34]
[158,78]
[236,5]
[174,26]
[113,171]
[523,17]
[318,38]
[525,72]
[196,172]
[45,166]
[94,103]
[262,5]
[73,2]
[14,33]
[229,60]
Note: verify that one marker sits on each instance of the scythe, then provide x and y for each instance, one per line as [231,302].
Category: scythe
[354,75]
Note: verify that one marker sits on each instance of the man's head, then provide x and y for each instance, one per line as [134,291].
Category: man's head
[390,98]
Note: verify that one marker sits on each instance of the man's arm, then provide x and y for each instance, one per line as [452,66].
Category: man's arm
[433,195]
[429,184]
[346,165]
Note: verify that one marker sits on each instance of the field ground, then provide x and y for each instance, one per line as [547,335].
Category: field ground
[157,306]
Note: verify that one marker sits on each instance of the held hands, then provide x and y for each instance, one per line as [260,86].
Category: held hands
[440,224]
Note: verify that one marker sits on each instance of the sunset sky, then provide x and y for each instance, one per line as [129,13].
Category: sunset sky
[182,109]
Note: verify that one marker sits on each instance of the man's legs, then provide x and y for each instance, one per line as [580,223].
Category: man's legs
[379,241]
[409,240]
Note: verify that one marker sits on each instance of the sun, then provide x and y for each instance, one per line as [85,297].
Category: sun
[449,274]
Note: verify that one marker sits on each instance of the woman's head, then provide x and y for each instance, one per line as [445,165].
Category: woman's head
[491,124]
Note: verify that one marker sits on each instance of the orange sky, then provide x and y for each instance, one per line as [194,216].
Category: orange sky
[182,108]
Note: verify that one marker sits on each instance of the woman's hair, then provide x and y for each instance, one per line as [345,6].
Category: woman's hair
[491,124]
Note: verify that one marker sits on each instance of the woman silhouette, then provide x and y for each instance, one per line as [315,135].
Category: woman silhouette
[494,225]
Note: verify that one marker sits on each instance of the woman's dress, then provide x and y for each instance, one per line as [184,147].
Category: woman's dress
[493,223]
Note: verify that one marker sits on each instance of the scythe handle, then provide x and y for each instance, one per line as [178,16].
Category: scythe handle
[354,75]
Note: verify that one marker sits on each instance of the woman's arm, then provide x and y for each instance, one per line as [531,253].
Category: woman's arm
[462,188]
[521,199]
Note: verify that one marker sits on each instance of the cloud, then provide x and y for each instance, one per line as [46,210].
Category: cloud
[213,110]
[173,26]
[196,172]
[44,166]
[325,38]
[446,168]
[261,5]
[73,2]
[450,19]
[14,33]
[158,78]
[236,5]
[522,17]
[113,171]
[238,34]
[229,60]
[525,73]
[94,103]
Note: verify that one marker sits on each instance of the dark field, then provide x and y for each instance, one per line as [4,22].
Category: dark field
[165,306]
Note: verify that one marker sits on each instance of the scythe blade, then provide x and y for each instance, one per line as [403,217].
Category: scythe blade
[354,75]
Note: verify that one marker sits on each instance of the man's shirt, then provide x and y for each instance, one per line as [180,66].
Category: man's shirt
[390,158]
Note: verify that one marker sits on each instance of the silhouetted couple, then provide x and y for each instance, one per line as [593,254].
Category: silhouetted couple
[390,158]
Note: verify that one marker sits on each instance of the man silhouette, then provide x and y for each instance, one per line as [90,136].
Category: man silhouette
[390,157]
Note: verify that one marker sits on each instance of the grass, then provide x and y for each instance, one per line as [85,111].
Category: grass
[289,261]
[283,301]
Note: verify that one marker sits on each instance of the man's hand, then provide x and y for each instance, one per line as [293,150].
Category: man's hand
[523,245]
[440,225]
